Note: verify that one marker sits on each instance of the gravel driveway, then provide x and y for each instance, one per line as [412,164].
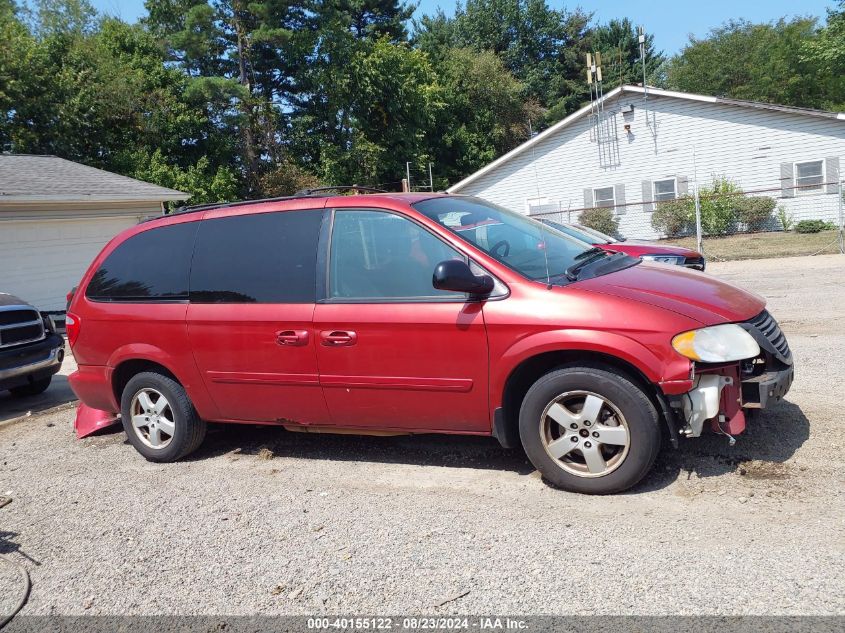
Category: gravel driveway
[265,521]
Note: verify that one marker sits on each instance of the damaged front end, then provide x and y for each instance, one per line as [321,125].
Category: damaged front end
[721,390]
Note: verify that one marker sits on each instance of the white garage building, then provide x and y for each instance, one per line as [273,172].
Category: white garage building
[56,215]
[638,147]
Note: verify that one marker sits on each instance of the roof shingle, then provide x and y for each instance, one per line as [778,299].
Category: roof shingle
[50,178]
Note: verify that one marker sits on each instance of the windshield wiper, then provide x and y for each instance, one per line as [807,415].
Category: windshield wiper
[582,259]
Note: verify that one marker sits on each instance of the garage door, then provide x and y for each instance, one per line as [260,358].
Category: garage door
[41,260]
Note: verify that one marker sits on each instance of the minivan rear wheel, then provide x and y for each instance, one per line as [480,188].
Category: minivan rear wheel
[159,419]
[589,429]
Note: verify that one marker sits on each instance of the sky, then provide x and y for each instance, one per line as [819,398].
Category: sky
[671,21]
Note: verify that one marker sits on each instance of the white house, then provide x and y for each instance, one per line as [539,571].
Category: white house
[56,215]
[644,146]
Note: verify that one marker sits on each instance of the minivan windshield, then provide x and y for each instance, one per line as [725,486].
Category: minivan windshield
[532,249]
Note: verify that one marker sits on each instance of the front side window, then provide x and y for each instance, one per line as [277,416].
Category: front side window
[604,197]
[809,176]
[257,258]
[382,256]
[523,244]
[664,190]
[149,266]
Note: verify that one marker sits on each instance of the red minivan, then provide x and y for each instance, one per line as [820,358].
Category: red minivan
[412,313]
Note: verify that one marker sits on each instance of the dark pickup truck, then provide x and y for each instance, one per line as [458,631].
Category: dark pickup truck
[30,349]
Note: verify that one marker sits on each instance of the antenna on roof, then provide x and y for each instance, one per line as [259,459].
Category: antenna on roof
[642,41]
[604,130]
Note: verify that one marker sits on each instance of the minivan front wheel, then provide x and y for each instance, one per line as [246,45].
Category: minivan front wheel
[159,419]
[589,430]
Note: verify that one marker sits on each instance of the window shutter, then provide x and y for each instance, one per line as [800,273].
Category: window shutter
[588,198]
[683,186]
[648,196]
[787,184]
[619,198]
[831,176]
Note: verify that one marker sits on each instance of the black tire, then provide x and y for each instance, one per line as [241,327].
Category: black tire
[189,430]
[643,423]
[32,389]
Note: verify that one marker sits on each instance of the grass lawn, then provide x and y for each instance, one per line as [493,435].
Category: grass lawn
[760,245]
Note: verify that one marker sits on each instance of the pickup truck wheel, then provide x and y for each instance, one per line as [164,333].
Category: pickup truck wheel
[159,419]
[32,389]
[589,430]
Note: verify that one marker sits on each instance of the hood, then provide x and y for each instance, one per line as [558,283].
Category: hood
[11,300]
[641,247]
[687,292]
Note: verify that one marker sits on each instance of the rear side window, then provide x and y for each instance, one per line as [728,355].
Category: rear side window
[149,266]
[260,258]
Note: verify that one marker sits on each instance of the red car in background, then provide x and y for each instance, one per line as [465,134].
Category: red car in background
[663,253]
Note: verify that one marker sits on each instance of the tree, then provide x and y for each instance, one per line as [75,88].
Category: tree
[241,57]
[543,48]
[828,52]
[484,112]
[53,17]
[758,62]
[105,97]
[618,42]
[362,97]
[374,118]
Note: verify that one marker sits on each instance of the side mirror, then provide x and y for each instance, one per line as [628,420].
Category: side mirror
[455,275]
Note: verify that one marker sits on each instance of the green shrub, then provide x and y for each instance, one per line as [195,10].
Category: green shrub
[600,219]
[719,203]
[785,218]
[755,211]
[814,226]
[674,217]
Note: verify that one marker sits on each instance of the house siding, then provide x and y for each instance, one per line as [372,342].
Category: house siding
[748,145]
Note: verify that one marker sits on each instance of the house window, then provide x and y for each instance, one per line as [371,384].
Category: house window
[604,197]
[809,176]
[665,190]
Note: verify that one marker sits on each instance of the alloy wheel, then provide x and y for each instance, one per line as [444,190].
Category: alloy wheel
[585,433]
[152,418]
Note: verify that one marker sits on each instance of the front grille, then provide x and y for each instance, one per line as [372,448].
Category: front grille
[20,324]
[769,328]
[18,315]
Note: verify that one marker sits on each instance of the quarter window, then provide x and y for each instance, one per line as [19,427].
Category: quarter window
[257,258]
[665,190]
[809,176]
[377,255]
[149,266]
[604,197]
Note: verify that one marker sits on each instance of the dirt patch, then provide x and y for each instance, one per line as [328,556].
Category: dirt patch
[756,469]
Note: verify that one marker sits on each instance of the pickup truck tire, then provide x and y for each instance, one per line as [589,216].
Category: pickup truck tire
[159,418]
[32,389]
[589,429]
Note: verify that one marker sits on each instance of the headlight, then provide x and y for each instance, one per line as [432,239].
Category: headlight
[716,344]
[677,260]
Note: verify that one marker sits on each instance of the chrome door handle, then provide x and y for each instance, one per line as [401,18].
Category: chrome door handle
[338,338]
[292,338]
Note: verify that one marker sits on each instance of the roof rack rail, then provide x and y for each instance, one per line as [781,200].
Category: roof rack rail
[304,193]
[316,190]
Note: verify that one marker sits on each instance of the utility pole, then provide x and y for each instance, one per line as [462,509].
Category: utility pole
[408,173]
[841,222]
[430,179]
[698,236]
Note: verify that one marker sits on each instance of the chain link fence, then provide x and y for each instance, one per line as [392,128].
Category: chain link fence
[723,220]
